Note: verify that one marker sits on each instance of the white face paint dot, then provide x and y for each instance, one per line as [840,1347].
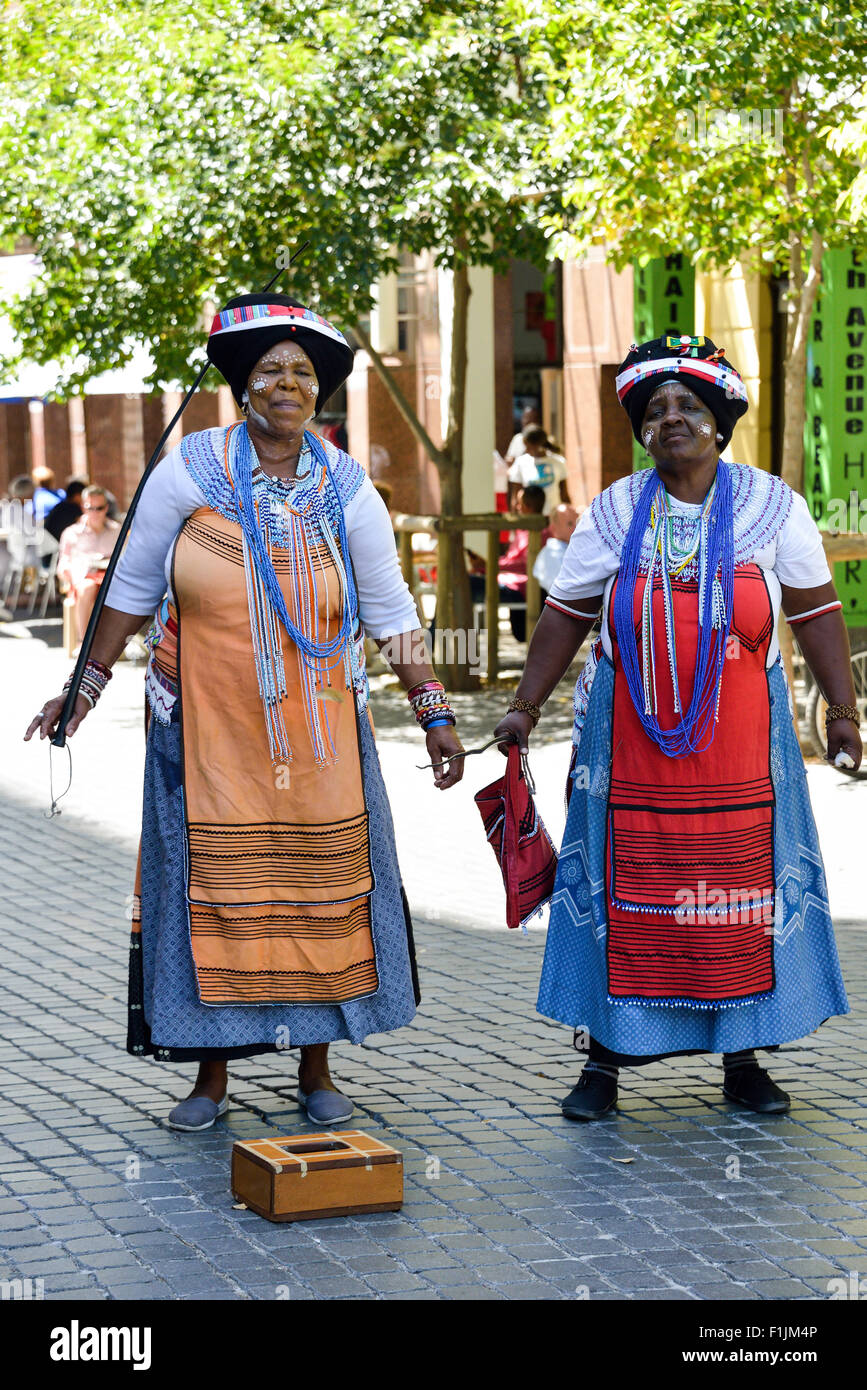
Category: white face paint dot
[291,357]
[648,438]
[705,428]
[259,384]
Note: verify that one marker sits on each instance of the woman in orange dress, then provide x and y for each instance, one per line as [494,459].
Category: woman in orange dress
[269,905]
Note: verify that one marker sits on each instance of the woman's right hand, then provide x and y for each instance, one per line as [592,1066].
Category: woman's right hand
[514,727]
[47,719]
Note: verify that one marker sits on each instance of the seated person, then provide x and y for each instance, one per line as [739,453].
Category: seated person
[46,494]
[67,512]
[512,570]
[563,521]
[541,466]
[85,549]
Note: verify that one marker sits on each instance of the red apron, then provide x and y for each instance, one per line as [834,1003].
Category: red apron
[689,842]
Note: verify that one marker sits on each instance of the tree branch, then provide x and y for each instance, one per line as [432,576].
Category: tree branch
[439,456]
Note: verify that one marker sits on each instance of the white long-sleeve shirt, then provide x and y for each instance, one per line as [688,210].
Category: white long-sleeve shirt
[143,574]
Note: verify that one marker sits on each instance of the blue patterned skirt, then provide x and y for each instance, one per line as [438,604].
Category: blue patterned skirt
[166,1016]
[574,985]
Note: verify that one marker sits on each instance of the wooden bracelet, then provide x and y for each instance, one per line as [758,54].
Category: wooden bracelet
[519,706]
[842,712]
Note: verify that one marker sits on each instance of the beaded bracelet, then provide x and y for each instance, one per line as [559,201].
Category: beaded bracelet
[443,712]
[519,706]
[94,679]
[429,704]
[842,712]
[422,686]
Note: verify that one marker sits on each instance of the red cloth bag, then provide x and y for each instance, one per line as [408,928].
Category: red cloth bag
[527,858]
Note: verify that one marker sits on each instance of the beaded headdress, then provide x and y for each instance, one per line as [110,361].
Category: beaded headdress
[698,362]
[250,324]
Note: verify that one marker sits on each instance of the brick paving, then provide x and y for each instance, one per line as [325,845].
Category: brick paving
[678,1196]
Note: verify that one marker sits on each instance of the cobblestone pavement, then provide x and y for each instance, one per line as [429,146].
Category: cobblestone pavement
[678,1196]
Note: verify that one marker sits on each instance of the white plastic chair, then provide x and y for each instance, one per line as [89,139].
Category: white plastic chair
[23,554]
[49,549]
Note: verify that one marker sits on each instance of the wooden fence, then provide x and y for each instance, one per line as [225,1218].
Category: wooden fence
[492,523]
[847,546]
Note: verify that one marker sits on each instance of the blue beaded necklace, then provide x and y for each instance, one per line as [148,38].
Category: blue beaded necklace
[308,524]
[695,729]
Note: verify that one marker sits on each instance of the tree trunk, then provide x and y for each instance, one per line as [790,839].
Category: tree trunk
[799,312]
[454,603]
[801,300]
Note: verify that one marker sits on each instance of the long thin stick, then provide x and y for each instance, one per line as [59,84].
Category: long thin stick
[59,739]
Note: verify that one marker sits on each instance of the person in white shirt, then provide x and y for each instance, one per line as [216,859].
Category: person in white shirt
[690,911]
[529,416]
[540,466]
[85,549]
[563,521]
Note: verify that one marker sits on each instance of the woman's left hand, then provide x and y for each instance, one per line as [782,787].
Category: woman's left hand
[443,743]
[844,737]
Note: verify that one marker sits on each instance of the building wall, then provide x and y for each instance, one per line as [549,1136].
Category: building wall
[597,331]
[14,441]
[115,443]
[481,411]
[734,308]
[57,439]
[379,437]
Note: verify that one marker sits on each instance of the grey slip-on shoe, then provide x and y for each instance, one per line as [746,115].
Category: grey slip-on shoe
[197,1112]
[325,1107]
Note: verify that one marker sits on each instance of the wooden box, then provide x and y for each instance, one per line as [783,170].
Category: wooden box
[302,1176]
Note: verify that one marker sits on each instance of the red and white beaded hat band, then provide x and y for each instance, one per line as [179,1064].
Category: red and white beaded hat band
[721,375]
[714,380]
[249,325]
[246,316]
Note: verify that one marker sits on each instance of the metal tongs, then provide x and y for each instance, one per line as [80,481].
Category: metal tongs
[471,753]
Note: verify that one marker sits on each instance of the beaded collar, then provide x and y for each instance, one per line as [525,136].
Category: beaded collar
[204,452]
[761,505]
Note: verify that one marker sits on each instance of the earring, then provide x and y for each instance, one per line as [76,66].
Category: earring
[719,438]
[245,401]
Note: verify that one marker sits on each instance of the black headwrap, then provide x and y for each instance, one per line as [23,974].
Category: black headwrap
[250,324]
[698,363]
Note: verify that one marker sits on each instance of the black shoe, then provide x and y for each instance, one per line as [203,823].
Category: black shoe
[592,1098]
[751,1086]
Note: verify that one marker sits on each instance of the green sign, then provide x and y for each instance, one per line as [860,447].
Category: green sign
[663,302]
[835,441]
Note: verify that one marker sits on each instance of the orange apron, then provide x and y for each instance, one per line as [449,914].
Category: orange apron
[278,859]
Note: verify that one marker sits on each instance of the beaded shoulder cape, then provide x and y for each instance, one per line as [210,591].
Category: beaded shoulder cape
[760,502]
[204,451]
